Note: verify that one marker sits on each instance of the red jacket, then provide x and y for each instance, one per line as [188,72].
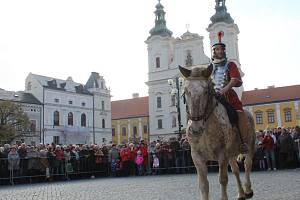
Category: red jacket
[125,154]
[268,143]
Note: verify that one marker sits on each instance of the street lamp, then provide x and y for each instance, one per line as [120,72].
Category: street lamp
[176,88]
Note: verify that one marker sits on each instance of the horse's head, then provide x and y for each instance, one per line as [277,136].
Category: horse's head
[198,89]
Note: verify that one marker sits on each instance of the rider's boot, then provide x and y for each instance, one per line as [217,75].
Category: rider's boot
[243,128]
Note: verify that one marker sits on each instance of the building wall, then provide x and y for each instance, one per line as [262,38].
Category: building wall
[129,125]
[279,109]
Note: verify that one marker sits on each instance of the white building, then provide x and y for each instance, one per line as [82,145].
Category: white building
[165,53]
[33,109]
[73,113]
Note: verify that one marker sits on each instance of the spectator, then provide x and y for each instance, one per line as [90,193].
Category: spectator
[139,160]
[13,161]
[285,145]
[268,145]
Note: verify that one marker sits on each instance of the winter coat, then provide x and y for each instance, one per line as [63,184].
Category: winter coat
[13,161]
[285,142]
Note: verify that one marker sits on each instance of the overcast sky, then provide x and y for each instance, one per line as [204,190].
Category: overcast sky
[62,38]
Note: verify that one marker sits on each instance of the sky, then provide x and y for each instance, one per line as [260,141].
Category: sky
[62,38]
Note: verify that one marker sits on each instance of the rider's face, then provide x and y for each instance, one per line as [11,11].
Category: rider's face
[219,52]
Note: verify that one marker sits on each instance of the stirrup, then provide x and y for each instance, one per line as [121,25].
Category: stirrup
[244,148]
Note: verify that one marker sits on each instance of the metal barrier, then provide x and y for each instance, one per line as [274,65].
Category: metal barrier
[41,169]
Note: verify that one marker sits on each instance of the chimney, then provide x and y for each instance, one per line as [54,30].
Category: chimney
[256,88]
[135,95]
[272,86]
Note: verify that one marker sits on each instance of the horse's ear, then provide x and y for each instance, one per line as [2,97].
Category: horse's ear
[184,71]
[207,72]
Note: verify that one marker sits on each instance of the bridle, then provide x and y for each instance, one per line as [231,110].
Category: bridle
[207,113]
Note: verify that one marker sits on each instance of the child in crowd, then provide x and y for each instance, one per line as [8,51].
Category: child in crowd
[139,162]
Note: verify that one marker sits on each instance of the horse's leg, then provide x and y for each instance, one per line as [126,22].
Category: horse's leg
[202,176]
[223,178]
[235,170]
[248,168]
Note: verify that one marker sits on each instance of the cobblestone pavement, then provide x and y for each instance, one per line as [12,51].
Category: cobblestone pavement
[279,185]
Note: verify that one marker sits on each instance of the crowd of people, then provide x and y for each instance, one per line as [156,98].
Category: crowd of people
[275,149]
[278,148]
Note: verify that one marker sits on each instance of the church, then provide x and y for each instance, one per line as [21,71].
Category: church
[165,52]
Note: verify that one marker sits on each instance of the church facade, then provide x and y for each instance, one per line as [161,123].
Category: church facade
[165,52]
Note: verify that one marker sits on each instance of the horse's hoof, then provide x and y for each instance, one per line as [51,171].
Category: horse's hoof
[249,195]
[241,198]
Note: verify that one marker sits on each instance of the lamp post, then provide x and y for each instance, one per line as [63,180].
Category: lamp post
[176,88]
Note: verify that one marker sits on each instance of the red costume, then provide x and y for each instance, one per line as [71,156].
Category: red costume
[231,96]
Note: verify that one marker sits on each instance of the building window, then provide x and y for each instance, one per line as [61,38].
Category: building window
[103,123]
[56,100]
[56,139]
[271,117]
[102,85]
[259,118]
[158,102]
[113,132]
[145,129]
[33,126]
[159,124]
[134,131]
[123,131]
[29,86]
[157,62]
[70,119]
[102,105]
[70,102]
[83,104]
[288,115]
[83,120]
[56,118]
[173,100]
[173,121]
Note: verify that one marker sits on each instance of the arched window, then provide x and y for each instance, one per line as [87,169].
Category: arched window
[70,119]
[56,118]
[83,120]
[103,123]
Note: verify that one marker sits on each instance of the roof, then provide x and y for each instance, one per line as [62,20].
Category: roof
[130,108]
[271,95]
[59,84]
[21,97]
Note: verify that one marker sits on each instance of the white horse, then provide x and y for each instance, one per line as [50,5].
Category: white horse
[211,135]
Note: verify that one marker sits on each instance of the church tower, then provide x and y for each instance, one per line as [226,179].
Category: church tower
[165,53]
[222,21]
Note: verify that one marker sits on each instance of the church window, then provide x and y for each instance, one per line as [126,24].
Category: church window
[103,123]
[102,105]
[83,120]
[173,122]
[157,62]
[158,102]
[159,124]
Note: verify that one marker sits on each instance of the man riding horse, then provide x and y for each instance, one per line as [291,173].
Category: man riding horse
[226,75]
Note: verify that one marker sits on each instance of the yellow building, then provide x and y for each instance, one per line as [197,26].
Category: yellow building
[130,120]
[274,106]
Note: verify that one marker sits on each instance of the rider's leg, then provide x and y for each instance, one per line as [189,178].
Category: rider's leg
[243,128]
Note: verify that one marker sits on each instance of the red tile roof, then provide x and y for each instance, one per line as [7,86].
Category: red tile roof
[271,95]
[130,108]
